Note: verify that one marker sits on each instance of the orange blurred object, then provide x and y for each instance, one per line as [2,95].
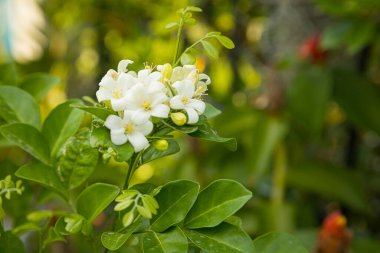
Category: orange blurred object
[334,236]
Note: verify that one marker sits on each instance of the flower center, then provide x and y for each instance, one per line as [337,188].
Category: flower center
[117,94]
[129,128]
[185,100]
[147,106]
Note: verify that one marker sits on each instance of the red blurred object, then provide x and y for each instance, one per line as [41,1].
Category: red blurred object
[334,236]
[311,50]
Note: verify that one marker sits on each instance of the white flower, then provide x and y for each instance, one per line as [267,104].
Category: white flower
[114,86]
[184,101]
[126,129]
[147,101]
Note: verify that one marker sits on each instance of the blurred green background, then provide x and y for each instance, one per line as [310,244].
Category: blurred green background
[300,92]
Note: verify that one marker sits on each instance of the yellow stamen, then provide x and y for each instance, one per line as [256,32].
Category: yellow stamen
[185,100]
[146,106]
[129,128]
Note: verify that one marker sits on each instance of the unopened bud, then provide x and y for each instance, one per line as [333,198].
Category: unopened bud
[178,118]
[166,71]
[161,145]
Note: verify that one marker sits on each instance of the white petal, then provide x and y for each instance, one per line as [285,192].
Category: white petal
[123,64]
[159,98]
[138,141]
[126,80]
[198,105]
[205,78]
[118,136]
[107,80]
[145,128]
[143,74]
[176,102]
[160,111]
[140,117]
[185,88]
[119,104]
[113,122]
[103,94]
[192,116]
[154,76]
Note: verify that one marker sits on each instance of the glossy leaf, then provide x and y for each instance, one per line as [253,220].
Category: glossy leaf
[60,124]
[211,111]
[205,132]
[226,42]
[223,238]
[151,153]
[100,112]
[183,129]
[175,200]
[39,84]
[276,242]
[28,138]
[218,201]
[114,240]
[16,105]
[95,198]
[173,241]
[42,174]
[210,49]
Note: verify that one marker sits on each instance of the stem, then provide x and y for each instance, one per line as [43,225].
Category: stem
[179,33]
[190,47]
[278,188]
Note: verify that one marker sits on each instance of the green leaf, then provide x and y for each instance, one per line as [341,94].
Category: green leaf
[211,111]
[26,227]
[187,59]
[173,241]
[223,238]
[171,25]
[151,153]
[60,124]
[95,198]
[358,98]
[218,201]
[100,137]
[276,242]
[183,129]
[28,138]
[175,200]
[10,243]
[52,236]
[205,132]
[226,42]
[8,74]
[100,112]
[194,9]
[78,161]
[210,49]
[312,87]
[114,240]
[42,174]
[39,84]
[16,105]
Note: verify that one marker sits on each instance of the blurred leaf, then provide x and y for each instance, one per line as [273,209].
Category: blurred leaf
[210,49]
[205,132]
[100,112]
[78,160]
[175,200]
[28,138]
[194,9]
[187,59]
[95,198]
[358,98]
[218,201]
[52,236]
[26,227]
[171,25]
[338,184]
[308,97]
[276,242]
[60,124]
[226,42]
[8,74]
[17,105]
[223,238]
[114,240]
[173,241]
[39,84]
[363,245]
[42,174]
[10,243]
[151,153]
[211,111]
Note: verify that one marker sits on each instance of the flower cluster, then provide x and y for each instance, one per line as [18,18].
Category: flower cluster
[160,92]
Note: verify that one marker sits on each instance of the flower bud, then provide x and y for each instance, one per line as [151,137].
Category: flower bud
[166,71]
[161,145]
[178,118]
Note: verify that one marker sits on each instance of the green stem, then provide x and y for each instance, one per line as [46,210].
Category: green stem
[190,47]
[279,175]
[179,33]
